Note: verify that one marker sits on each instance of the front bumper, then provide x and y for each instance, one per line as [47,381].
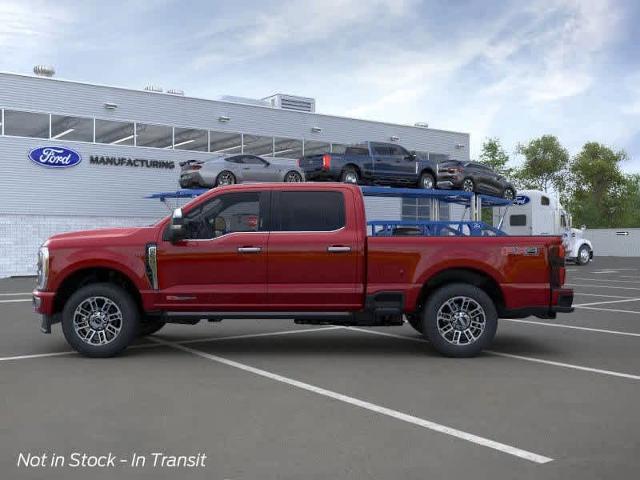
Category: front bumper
[43,304]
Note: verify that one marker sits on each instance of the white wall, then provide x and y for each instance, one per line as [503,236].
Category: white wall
[608,242]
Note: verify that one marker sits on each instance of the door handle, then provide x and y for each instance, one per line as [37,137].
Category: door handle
[338,248]
[249,249]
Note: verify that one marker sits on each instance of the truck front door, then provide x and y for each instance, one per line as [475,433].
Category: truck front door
[222,264]
[315,255]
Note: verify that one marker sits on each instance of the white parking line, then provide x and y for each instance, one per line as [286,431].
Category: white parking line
[421,422]
[19,300]
[611,310]
[599,295]
[602,286]
[509,355]
[608,301]
[181,342]
[605,279]
[573,327]
[14,294]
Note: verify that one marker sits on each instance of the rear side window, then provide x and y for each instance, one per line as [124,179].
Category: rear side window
[311,211]
[357,151]
[518,220]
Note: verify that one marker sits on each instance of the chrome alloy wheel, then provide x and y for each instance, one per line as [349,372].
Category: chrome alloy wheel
[226,178]
[427,182]
[467,185]
[461,320]
[508,194]
[584,255]
[350,177]
[293,177]
[97,320]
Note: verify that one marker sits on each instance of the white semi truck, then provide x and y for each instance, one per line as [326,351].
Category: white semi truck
[535,212]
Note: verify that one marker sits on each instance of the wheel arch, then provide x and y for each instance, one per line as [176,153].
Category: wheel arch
[354,166]
[471,276]
[99,274]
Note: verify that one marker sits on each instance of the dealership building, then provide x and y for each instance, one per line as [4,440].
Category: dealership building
[126,144]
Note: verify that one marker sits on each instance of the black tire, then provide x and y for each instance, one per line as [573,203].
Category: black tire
[509,194]
[293,177]
[415,321]
[468,185]
[128,324]
[150,327]
[584,255]
[427,181]
[434,329]
[222,176]
[350,175]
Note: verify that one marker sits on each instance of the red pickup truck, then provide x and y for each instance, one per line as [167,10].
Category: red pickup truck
[297,251]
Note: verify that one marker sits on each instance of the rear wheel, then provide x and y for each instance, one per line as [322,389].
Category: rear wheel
[293,177]
[584,255]
[350,175]
[468,185]
[459,320]
[100,320]
[225,178]
[427,181]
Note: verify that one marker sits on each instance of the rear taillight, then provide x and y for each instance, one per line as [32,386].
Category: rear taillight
[299,161]
[557,262]
[195,167]
[326,161]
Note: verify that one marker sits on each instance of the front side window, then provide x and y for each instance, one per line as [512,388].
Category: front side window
[544,200]
[397,150]
[381,150]
[26,124]
[251,160]
[228,213]
[311,211]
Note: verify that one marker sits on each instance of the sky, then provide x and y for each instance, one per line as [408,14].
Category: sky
[508,69]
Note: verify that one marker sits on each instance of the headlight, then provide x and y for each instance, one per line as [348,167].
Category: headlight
[43,267]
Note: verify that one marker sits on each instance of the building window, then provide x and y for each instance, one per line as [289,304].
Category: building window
[312,147]
[26,124]
[225,142]
[114,133]
[71,128]
[257,145]
[338,148]
[190,139]
[287,148]
[157,136]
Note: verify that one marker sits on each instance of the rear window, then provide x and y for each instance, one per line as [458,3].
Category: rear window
[311,211]
[518,220]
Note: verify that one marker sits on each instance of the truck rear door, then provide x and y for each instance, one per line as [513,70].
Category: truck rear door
[315,258]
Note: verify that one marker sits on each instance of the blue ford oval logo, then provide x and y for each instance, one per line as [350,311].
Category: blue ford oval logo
[55,157]
[521,200]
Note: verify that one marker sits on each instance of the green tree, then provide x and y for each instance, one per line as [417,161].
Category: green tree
[494,156]
[545,164]
[601,194]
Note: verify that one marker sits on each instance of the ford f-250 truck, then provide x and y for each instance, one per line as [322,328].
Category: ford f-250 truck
[297,251]
[373,163]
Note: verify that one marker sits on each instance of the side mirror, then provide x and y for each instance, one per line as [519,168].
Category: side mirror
[177,230]
[583,227]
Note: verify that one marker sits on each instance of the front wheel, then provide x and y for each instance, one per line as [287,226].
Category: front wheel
[584,255]
[460,320]
[100,320]
[468,185]
[427,181]
[508,194]
[293,177]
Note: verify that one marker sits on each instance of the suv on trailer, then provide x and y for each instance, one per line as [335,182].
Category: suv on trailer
[297,251]
[373,163]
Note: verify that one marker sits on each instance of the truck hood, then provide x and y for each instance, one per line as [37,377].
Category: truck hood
[104,236]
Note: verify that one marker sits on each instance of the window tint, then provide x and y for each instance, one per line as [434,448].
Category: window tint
[381,150]
[251,160]
[397,150]
[338,148]
[115,133]
[311,211]
[357,150]
[518,220]
[190,139]
[236,159]
[232,212]
[544,200]
[225,142]
[26,124]
[158,136]
[71,128]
